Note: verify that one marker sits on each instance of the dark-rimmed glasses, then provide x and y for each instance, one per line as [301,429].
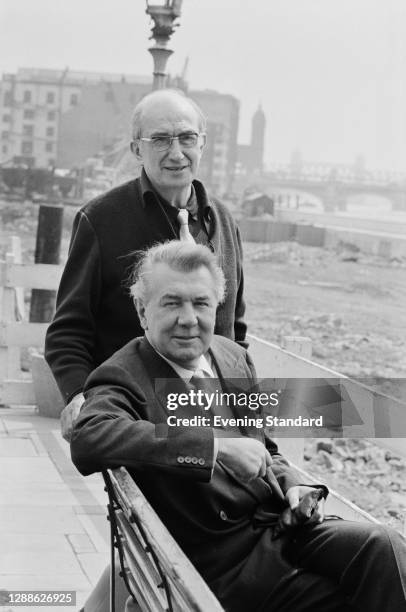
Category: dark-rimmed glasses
[164,142]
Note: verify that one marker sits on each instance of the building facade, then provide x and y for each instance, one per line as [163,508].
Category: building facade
[217,166]
[61,118]
[31,105]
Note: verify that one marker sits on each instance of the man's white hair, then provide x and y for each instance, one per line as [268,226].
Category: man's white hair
[136,123]
[180,256]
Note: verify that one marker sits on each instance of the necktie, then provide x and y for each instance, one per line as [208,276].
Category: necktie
[202,381]
[183,220]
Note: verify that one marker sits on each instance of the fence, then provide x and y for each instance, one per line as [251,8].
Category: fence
[16,333]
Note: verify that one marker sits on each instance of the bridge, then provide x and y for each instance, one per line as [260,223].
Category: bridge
[332,184]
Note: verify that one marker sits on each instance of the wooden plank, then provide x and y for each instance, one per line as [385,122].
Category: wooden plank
[13,362]
[15,257]
[36,276]
[17,392]
[149,590]
[381,416]
[273,362]
[136,549]
[177,566]
[23,334]
[9,355]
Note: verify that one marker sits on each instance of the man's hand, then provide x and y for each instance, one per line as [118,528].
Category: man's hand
[306,506]
[246,458]
[69,415]
[304,503]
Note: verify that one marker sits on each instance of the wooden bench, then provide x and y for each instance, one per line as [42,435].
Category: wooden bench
[156,571]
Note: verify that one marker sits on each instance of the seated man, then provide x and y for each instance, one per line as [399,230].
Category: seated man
[216,493]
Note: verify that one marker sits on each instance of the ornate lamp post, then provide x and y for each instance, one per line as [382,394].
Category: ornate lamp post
[164,14]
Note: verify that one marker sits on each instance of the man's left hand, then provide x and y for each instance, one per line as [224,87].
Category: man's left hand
[310,511]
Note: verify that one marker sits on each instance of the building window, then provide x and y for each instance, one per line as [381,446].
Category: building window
[50,131]
[4,149]
[28,114]
[109,96]
[27,96]
[7,118]
[51,163]
[51,115]
[49,147]
[26,148]
[50,97]
[74,99]
[5,135]
[8,99]
[28,130]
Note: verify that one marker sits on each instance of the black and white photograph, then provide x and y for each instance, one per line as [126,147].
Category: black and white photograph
[202,306]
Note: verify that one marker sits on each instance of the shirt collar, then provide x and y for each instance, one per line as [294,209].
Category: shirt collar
[203,365]
[147,188]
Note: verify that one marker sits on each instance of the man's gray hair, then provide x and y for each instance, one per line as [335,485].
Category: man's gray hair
[180,256]
[136,122]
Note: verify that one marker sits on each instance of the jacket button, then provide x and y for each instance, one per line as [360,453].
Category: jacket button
[188,459]
[180,459]
[223,515]
[194,460]
[201,461]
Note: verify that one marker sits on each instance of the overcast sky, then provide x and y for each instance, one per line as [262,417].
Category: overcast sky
[330,74]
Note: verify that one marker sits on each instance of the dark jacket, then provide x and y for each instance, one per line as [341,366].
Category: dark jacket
[95,315]
[211,515]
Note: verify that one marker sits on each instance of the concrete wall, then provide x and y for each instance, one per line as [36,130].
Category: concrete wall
[263,230]
[336,220]
[376,243]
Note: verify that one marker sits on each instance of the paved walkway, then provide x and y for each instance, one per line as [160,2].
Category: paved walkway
[53,529]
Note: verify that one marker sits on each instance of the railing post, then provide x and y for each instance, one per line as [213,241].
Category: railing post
[47,250]
[10,307]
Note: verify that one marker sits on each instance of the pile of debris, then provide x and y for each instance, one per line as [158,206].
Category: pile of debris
[301,255]
[370,476]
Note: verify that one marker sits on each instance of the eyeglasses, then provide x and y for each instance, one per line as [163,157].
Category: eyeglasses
[164,142]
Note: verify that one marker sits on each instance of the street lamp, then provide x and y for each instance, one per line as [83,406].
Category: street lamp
[164,14]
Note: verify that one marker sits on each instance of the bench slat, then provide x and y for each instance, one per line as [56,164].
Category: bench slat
[188,589]
[23,334]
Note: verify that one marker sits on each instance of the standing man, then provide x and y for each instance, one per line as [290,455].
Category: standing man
[94,313]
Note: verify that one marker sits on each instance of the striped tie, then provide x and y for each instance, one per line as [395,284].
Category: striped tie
[184,232]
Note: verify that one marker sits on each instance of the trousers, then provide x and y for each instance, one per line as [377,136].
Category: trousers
[343,566]
[336,566]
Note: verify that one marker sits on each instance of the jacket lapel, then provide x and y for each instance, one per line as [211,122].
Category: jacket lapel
[235,376]
[164,379]
[233,371]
